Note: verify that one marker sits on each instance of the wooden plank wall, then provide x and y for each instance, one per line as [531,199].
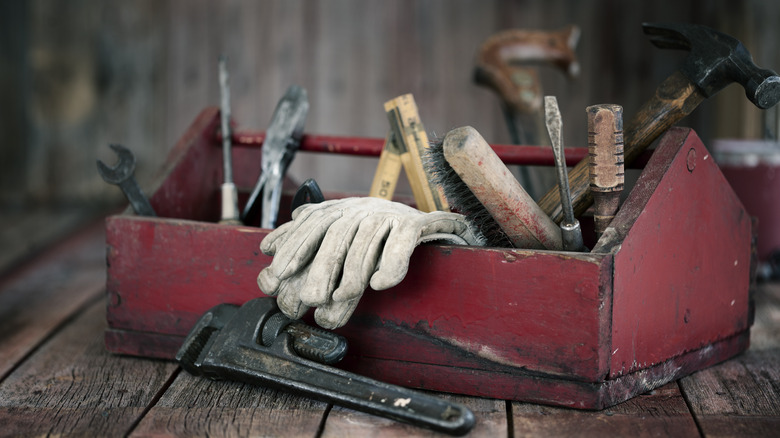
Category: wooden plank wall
[80,74]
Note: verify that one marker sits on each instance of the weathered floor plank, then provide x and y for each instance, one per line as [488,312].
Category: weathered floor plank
[72,387]
[741,397]
[42,295]
[343,422]
[26,232]
[659,413]
[196,406]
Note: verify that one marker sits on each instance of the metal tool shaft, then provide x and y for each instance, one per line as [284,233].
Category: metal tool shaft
[571,235]
[230,213]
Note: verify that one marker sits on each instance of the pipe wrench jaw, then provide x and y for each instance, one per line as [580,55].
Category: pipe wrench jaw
[228,343]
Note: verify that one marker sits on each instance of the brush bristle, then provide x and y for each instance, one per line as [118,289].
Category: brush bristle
[460,197]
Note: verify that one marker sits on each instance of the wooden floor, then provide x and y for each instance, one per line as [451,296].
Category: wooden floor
[56,379]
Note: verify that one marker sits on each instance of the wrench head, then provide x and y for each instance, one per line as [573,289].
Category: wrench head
[122,170]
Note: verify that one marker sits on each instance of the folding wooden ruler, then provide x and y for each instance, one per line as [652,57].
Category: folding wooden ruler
[405,146]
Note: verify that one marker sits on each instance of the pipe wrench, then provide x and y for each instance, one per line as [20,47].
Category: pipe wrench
[257,344]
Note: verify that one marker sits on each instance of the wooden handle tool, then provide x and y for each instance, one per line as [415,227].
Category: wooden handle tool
[605,150]
[571,234]
[715,61]
[478,166]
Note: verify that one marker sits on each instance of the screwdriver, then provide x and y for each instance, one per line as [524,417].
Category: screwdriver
[571,234]
[229,191]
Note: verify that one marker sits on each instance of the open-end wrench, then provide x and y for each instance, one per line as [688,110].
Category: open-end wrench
[122,175]
[257,344]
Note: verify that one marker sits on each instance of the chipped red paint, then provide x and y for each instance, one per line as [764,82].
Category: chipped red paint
[585,330]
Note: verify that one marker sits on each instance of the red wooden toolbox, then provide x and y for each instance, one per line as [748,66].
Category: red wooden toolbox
[585,330]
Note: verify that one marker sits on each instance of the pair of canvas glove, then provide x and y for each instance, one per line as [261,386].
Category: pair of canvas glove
[332,251]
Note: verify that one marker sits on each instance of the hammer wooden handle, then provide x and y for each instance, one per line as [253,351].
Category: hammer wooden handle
[674,99]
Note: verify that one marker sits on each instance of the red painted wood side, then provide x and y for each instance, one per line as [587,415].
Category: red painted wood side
[188,184]
[509,384]
[682,272]
[542,310]
[163,274]
[547,389]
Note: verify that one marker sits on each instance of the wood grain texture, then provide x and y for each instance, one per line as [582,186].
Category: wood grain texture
[141,72]
[36,299]
[662,412]
[741,397]
[194,406]
[348,423]
[72,387]
[25,233]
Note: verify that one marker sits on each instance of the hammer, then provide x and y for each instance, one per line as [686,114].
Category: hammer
[715,61]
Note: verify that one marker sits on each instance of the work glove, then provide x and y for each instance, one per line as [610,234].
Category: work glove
[330,252]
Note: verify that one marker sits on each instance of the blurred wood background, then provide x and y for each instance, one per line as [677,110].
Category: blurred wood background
[78,75]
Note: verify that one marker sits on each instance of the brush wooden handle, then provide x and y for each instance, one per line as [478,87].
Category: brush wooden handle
[526,225]
[674,99]
[408,131]
[605,151]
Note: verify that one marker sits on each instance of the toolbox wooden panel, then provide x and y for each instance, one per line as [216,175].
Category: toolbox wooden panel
[585,330]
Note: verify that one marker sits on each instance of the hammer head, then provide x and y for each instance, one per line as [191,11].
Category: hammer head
[122,170]
[716,60]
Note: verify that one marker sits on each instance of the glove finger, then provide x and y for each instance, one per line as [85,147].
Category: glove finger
[326,268]
[394,261]
[267,282]
[302,244]
[289,300]
[362,258]
[275,238]
[403,239]
[335,314]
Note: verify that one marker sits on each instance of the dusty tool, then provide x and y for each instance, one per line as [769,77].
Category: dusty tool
[478,185]
[229,191]
[508,62]
[571,234]
[256,344]
[122,174]
[503,64]
[715,61]
[282,140]
[406,144]
[607,174]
